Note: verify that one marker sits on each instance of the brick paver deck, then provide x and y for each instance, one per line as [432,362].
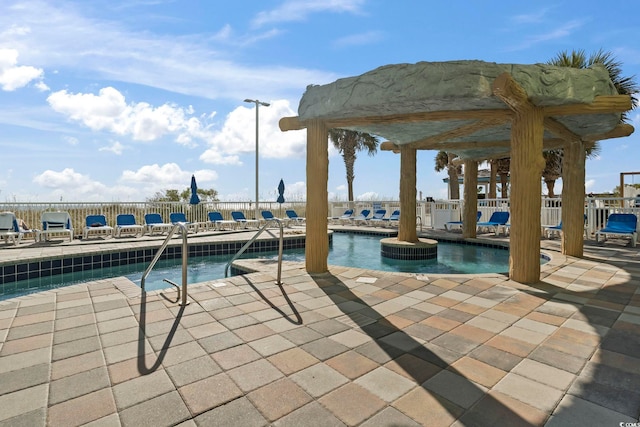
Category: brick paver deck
[350,347]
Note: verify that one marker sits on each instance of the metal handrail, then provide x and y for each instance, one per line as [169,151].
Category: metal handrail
[253,239]
[185,256]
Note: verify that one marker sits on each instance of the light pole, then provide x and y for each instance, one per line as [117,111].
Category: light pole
[258,104]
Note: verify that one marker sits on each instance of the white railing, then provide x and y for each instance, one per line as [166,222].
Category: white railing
[432,214]
[30,213]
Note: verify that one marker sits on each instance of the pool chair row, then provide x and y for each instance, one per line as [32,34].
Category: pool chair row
[292,218]
[497,223]
[377,219]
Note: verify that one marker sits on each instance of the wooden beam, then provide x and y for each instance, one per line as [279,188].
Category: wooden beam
[601,105]
[557,128]
[460,148]
[480,158]
[389,146]
[432,141]
[291,123]
[424,116]
[511,93]
[619,131]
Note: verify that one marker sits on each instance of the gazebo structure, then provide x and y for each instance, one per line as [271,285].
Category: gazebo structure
[483,180]
[479,111]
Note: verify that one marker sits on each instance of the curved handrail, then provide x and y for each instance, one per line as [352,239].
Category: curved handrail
[185,257]
[253,239]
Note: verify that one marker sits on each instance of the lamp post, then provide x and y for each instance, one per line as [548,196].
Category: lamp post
[258,104]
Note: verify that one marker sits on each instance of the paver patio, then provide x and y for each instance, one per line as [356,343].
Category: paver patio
[351,347]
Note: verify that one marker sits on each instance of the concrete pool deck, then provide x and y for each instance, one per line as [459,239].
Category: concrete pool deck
[350,347]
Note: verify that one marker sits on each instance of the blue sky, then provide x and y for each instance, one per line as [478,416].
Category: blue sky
[116,100]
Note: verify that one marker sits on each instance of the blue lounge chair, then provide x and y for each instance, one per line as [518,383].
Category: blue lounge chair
[155,224]
[393,218]
[459,223]
[96,225]
[240,219]
[347,215]
[550,230]
[55,223]
[620,225]
[268,216]
[217,221]
[377,217]
[180,217]
[10,229]
[497,221]
[361,217]
[293,216]
[126,224]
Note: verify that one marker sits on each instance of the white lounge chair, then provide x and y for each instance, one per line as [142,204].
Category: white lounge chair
[55,223]
[10,229]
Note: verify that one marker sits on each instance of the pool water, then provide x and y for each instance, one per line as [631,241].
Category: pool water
[348,250]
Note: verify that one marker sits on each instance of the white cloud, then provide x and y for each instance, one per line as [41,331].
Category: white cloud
[13,76]
[369,195]
[296,10]
[109,111]
[115,148]
[295,191]
[238,135]
[69,185]
[168,176]
[59,36]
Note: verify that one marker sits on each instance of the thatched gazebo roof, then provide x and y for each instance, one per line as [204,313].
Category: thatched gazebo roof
[477,110]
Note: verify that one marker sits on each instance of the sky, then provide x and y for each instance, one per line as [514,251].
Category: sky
[117,100]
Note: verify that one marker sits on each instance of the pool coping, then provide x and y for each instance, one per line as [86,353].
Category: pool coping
[109,253]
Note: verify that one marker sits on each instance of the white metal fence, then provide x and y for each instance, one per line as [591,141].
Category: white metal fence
[31,212]
[432,214]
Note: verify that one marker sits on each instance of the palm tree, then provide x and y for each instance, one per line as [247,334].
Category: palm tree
[624,86]
[444,161]
[503,166]
[348,143]
[552,169]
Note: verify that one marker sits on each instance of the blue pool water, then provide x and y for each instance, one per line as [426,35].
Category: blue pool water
[347,250]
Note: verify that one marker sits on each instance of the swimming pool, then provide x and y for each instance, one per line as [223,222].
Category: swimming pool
[349,250]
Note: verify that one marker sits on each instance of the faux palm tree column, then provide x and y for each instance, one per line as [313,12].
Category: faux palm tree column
[317,244]
[470,207]
[407,224]
[527,131]
[573,177]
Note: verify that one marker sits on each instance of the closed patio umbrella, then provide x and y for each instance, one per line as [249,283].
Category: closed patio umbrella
[280,192]
[280,195]
[194,192]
